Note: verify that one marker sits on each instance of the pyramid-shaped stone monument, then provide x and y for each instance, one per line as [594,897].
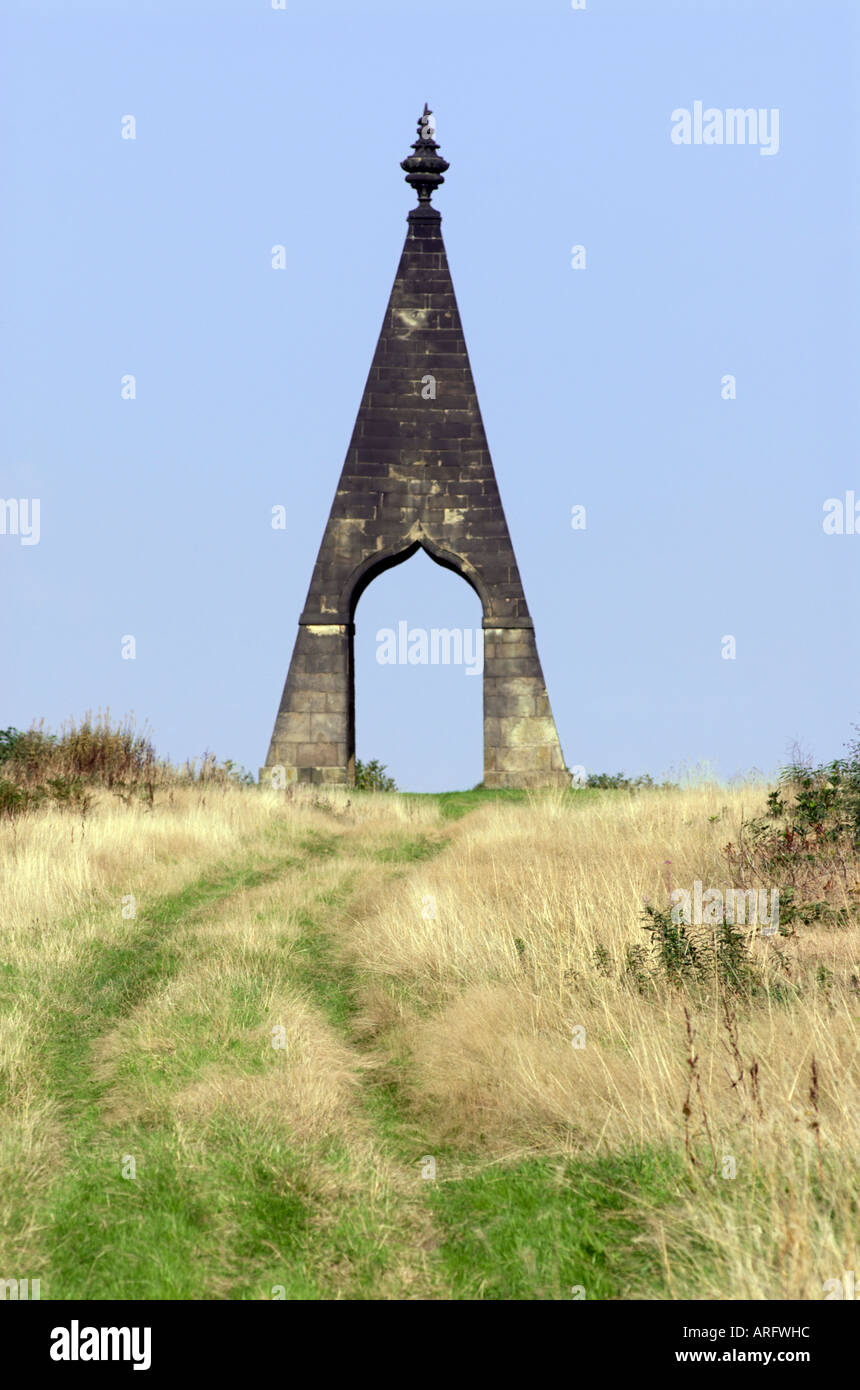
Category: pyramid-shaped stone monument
[418,473]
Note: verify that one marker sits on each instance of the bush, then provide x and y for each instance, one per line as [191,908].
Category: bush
[682,955]
[370,777]
[95,752]
[14,801]
[618,781]
[807,840]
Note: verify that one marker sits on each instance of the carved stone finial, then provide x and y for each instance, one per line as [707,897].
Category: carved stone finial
[425,168]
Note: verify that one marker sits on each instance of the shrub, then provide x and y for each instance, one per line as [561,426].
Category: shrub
[14,801]
[618,781]
[682,955]
[807,840]
[96,752]
[371,777]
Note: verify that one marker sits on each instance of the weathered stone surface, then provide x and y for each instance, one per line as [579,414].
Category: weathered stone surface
[516,733]
[501,704]
[417,472]
[326,727]
[307,700]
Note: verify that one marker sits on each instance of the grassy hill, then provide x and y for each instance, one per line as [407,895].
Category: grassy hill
[340,1045]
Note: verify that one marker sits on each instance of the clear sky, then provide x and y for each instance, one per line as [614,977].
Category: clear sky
[602,386]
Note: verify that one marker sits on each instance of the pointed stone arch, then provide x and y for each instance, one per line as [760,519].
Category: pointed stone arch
[418,473]
[373,565]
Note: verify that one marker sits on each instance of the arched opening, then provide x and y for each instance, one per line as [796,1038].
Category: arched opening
[378,563]
[418,671]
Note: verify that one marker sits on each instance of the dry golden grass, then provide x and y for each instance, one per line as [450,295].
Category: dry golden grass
[484,997]
[470,971]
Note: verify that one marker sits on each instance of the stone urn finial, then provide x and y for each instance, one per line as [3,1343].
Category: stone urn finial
[425,168]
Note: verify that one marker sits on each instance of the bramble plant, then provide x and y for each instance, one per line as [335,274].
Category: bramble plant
[807,840]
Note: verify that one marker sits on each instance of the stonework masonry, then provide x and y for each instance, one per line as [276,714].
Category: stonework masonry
[417,473]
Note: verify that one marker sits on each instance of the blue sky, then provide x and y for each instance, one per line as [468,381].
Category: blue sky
[600,387]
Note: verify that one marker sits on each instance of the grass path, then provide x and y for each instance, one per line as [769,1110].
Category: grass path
[194,1159]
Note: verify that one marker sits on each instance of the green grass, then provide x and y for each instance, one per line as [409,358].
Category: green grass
[404,851]
[236,1216]
[539,1230]
[315,969]
[231,1210]
[455,805]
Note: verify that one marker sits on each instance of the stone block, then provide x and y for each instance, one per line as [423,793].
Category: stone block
[293,728]
[303,701]
[517,733]
[316,755]
[504,704]
[326,728]
[492,732]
